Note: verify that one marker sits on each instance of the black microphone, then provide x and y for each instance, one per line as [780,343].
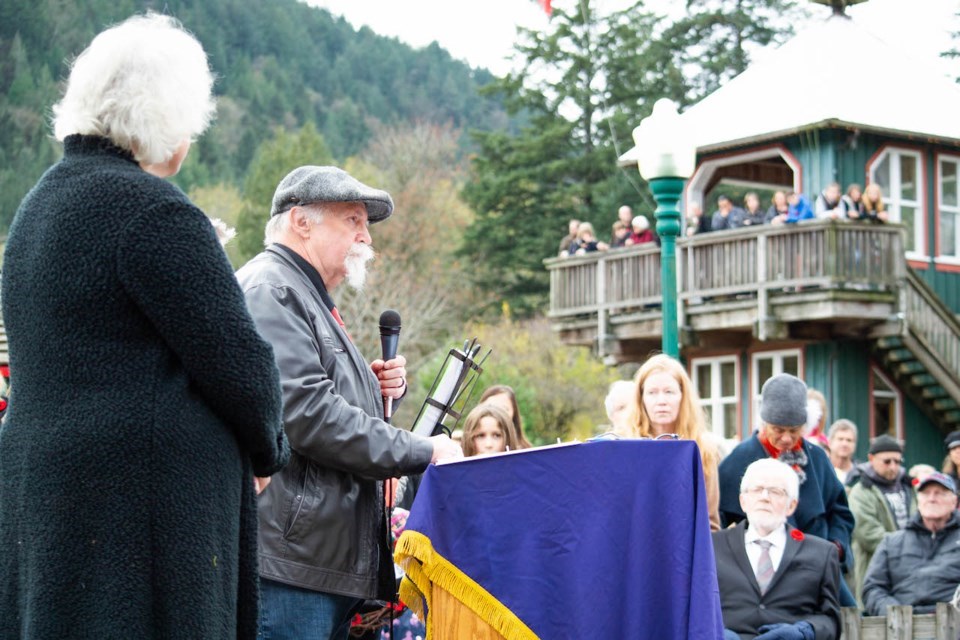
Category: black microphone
[389,337]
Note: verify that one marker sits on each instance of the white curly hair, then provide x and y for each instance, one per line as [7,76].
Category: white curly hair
[144,84]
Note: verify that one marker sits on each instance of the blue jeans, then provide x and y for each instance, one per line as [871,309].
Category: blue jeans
[293,613]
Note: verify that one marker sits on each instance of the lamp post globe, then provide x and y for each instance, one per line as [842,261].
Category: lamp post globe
[666,158]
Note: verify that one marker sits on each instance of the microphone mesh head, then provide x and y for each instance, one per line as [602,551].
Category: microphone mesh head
[390,319]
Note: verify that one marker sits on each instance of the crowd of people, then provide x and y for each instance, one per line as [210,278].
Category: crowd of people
[627,231]
[786,207]
[222,467]
[830,530]
[835,531]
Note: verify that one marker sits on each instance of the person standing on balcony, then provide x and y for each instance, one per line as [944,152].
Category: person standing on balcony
[624,217]
[570,238]
[696,221]
[874,210]
[779,209]
[828,203]
[881,501]
[852,202]
[586,241]
[726,216]
[642,233]
[752,213]
[619,234]
[822,510]
[798,208]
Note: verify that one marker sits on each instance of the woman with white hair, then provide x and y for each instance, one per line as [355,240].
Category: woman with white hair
[146,401]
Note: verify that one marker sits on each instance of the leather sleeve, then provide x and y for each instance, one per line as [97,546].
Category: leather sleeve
[321,390]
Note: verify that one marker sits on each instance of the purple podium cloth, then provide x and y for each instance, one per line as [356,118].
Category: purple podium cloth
[607,539]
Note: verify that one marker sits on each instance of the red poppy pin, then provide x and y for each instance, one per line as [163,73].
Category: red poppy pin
[796,534]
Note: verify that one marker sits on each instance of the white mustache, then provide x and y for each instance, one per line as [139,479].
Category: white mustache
[356,264]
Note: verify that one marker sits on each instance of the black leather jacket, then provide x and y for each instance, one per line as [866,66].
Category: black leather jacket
[321,517]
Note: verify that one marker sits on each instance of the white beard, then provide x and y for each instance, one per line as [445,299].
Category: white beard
[356,264]
[766,521]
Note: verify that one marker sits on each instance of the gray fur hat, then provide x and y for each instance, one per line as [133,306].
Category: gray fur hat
[783,401]
[312,184]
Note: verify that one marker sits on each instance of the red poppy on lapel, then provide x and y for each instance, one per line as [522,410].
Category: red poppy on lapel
[796,534]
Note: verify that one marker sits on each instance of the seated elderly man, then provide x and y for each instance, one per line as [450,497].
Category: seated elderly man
[822,509]
[919,565]
[775,583]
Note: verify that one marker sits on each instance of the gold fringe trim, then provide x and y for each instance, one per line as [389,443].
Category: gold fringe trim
[423,567]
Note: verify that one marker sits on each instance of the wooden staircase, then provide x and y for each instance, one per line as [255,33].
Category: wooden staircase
[921,350]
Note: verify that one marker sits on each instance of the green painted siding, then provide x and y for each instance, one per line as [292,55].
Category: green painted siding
[947,286]
[924,442]
[841,372]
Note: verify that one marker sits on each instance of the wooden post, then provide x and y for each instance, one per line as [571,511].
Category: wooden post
[601,284]
[763,302]
[948,622]
[900,622]
[850,623]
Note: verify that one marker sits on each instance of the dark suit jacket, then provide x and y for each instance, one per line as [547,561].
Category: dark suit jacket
[803,588]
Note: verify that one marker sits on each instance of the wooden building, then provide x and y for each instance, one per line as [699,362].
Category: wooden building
[865,313]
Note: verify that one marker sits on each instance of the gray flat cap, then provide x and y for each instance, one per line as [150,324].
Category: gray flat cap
[311,184]
[783,401]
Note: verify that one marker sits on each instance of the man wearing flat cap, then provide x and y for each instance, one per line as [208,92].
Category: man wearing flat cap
[881,500]
[919,565]
[323,536]
[822,509]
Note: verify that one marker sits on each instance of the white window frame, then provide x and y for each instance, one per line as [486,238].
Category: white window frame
[954,210]
[892,195]
[777,356]
[896,395]
[718,402]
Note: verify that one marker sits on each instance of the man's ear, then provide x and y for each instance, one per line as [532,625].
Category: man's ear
[792,507]
[299,223]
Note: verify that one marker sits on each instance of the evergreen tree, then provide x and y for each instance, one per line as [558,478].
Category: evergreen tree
[716,37]
[583,87]
[278,64]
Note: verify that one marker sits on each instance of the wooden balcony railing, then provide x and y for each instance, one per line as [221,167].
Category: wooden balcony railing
[750,261]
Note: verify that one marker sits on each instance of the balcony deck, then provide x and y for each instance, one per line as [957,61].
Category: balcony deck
[815,280]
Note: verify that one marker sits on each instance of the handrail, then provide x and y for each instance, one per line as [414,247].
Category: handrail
[933,324]
[752,260]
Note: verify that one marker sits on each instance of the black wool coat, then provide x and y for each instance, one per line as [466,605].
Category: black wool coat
[142,402]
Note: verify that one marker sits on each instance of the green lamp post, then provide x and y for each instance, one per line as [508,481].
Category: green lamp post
[666,158]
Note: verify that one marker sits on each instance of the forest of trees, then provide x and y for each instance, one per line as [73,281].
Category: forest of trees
[485,171]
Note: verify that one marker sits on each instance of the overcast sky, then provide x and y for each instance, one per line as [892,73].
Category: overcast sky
[482,33]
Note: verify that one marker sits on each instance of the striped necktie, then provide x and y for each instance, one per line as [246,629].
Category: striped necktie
[764,565]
